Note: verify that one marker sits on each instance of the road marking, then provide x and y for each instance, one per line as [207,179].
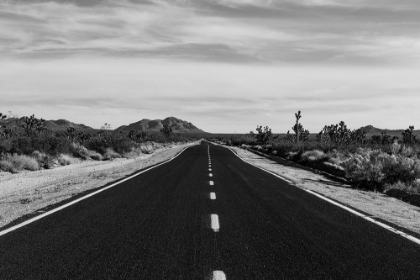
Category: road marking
[210,175]
[211,183]
[83,198]
[215,222]
[367,218]
[209,169]
[213,196]
[409,237]
[218,275]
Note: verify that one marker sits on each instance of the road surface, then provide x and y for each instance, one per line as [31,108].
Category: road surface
[205,215]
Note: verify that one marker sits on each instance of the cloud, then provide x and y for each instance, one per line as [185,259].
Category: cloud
[230,31]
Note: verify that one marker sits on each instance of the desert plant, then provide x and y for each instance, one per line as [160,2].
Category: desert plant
[262,136]
[408,136]
[20,162]
[301,135]
[110,154]
[33,126]
[166,130]
[395,148]
[366,167]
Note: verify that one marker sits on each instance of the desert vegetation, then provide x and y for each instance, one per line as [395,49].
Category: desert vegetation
[377,163]
[30,145]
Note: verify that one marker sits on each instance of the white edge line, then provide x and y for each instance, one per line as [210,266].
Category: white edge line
[83,198]
[268,171]
[405,235]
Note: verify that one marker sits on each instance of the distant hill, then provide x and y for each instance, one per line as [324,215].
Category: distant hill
[370,129]
[177,125]
[55,125]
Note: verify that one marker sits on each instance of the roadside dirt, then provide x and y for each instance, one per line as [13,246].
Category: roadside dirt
[377,204]
[27,192]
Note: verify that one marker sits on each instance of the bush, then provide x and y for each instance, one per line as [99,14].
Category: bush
[400,168]
[83,153]
[43,159]
[7,166]
[413,187]
[314,155]
[19,162]
[64,159]
[366,167]
[376,168]
[110,154]
[135,152]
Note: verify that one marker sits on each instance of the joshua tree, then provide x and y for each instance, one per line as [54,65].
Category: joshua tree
[264,135]
[32,125]
[106,126]
[408,136]
[166,130]
[301,135]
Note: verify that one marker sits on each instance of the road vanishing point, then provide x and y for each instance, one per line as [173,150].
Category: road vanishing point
[205,214]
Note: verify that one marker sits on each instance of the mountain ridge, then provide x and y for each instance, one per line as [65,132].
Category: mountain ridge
[177,125]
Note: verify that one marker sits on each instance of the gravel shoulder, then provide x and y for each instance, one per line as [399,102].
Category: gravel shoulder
[27,192]
[377,204]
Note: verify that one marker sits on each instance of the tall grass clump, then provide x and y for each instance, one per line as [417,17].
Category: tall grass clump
[14,163]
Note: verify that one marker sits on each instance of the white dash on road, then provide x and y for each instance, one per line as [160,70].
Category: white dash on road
[209,169]
[218,275]
[211,183]
[210,175]
[213,196]
[215,222]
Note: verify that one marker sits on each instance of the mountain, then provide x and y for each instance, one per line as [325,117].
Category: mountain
[177,125]
[55,125]
[370,129]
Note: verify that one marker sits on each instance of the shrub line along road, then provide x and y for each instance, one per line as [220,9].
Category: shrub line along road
[177,222]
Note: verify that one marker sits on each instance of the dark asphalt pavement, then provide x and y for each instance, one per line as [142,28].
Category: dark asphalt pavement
[157,226]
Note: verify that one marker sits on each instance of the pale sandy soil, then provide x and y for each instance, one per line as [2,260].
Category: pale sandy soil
[27,192]
[376,204]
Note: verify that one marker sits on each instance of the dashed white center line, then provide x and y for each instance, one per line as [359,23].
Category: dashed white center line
[215,222]
[213,196]
[211,183]
[209,169]
[210,175]
[218,275]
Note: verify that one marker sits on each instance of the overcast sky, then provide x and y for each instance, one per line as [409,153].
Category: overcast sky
[224,65]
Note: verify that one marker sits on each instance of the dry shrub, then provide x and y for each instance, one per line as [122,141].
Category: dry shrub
[7,166]
[413,187]
[110,154]
[14,163]
[43,159]
[64,159]
[81,152]
[378,168]
[135,152]
[314,155]
[95,156]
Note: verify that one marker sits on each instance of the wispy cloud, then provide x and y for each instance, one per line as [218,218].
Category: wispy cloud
[247,30]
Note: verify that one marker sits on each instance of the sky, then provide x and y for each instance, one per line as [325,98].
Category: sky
[224,65]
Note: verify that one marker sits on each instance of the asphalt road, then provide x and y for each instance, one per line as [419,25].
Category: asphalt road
[162,225]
